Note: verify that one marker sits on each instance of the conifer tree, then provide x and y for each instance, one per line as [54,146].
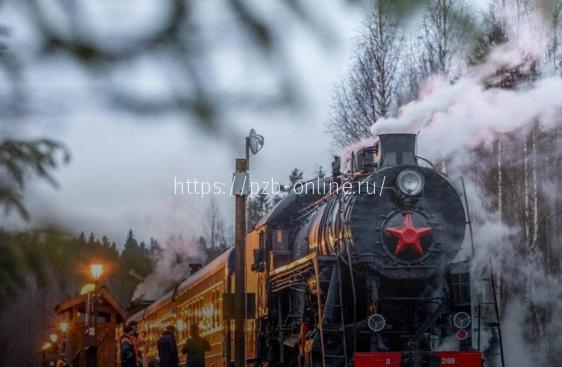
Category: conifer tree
[258,206]
[320,172]
[134,258]
[295,176]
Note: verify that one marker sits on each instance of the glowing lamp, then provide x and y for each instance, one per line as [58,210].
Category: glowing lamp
[53,338]
[63,326]
[96,270]
[46,346]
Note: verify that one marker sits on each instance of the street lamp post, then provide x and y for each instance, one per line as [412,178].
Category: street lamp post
[44,350]
[254,143]
[64,326]
[54,338]
[96,271]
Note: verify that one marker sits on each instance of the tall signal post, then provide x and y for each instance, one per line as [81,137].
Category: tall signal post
[241,188]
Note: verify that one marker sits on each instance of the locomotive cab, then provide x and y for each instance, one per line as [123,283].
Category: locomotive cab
[397,149]
[391,149]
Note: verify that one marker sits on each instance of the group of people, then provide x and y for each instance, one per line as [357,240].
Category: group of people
[194,348]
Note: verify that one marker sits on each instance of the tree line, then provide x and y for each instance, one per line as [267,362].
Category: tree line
[40,268]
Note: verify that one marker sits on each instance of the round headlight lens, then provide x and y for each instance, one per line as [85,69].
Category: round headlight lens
[410,182]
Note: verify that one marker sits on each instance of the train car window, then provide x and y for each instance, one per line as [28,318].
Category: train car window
[193,308]
[366,159]
[280,240]
[215,308]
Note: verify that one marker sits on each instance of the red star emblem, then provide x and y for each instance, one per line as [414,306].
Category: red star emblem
[408,235]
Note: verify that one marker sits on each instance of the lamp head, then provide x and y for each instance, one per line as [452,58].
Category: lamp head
[96,270]
[255,141]
[63,326]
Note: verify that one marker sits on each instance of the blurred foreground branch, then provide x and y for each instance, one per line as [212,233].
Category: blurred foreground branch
[18,158]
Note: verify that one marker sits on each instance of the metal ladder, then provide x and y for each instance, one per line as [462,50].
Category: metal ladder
[494,324]
[332,307]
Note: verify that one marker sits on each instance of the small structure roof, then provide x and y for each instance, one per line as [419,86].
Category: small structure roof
[80,302]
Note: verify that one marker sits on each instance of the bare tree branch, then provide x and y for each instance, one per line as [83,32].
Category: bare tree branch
[371,90]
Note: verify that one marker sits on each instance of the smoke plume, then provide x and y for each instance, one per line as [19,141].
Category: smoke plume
[172,264]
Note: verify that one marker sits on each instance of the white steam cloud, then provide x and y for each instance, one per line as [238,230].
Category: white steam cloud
[172,265]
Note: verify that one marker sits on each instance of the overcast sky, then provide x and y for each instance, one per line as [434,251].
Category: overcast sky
[123,165]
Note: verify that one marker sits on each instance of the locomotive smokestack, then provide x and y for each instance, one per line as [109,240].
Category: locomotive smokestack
[336,166]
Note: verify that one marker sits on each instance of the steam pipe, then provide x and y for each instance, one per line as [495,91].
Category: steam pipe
[468,220]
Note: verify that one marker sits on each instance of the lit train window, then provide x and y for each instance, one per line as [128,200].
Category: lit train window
[213,316]
[200,310]
[216,309]
[180,327]
[191,313]
[181,322]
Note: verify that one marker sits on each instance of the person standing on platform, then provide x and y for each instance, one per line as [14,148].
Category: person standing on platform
[168,349]
[195,348]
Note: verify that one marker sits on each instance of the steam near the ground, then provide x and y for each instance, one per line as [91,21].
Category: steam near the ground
[172,265]
[453,119]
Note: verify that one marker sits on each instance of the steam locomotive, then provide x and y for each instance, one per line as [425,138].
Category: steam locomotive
[356,269]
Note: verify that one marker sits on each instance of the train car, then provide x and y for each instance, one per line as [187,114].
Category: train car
[197,300]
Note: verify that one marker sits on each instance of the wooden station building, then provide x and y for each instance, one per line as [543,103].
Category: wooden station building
[93,318]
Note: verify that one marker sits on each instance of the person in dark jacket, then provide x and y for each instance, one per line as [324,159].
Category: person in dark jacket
[168,349]
[195,348]
[127,348]
[136,342]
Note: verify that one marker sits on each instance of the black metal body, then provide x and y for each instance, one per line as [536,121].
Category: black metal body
[318,314]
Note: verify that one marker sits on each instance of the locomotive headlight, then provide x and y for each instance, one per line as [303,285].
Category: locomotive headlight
[410,182]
